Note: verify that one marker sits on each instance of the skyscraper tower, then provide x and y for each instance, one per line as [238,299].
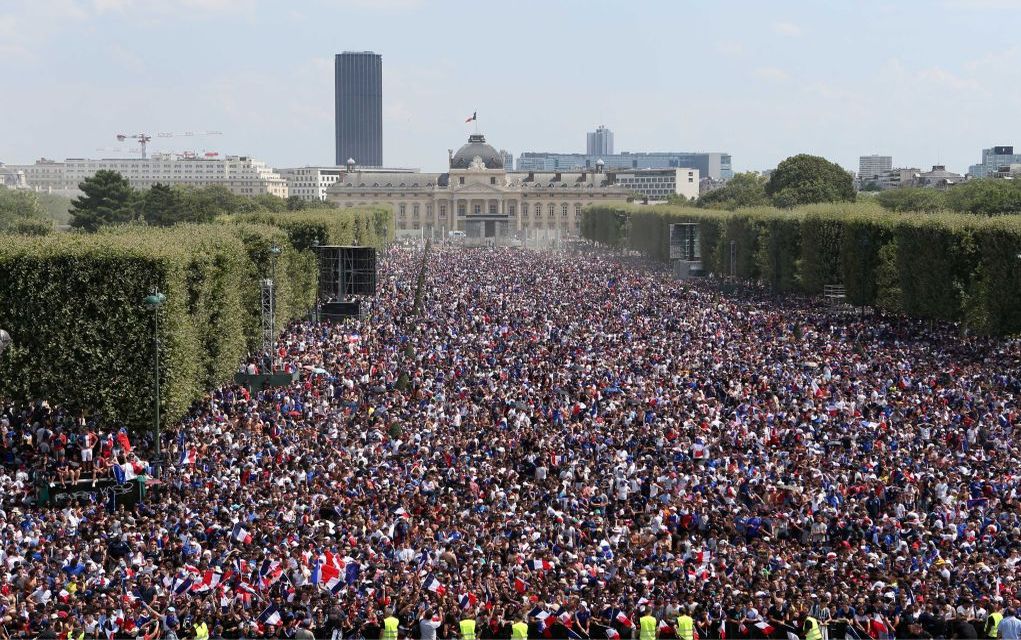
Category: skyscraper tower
[599,142]
[358,81]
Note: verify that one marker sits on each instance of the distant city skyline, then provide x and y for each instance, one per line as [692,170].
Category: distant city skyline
[926,82]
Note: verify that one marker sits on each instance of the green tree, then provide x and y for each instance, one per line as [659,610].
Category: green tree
[871,186]
[107,199]
[743,190]
[912,199]
[988,196]
[271,203]
[162,206]
[21,212]
[806,179]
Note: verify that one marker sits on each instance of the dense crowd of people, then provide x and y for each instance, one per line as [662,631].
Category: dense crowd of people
[561,445]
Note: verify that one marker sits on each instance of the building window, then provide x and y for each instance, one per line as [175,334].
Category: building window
[429,210]
[512,208]
[477,209]
[460,180]
[414,210]
[403,209]
[443,211]
[460,209]
[563,210]
[552,209]
[538,210]
[492,208]
[577,210]
[492,180]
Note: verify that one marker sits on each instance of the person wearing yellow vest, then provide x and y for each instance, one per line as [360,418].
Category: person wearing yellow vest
[201,631]
[467,626]
[685,625]
[648,626]
[812,629]
[993,624]
[519,630]
[390,624]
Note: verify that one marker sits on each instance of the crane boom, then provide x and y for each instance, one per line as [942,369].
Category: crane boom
[144,138]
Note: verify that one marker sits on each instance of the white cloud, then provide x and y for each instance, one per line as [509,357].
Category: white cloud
[786,29]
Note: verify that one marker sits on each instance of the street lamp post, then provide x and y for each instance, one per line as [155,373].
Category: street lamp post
[154,301]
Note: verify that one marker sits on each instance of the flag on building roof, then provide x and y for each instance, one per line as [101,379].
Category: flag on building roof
[474,116]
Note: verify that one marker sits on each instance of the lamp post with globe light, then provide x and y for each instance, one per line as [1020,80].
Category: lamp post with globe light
[153,302]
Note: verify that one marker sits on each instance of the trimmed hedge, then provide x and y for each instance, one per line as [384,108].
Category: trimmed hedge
[81,334]
[951,267]
[368,226]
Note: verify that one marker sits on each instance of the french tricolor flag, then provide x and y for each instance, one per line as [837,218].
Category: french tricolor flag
[188,456]
[468,600]
[270,616]
[210,578]
[520,585]
[704,557]
[538,564]
[432,584]
[622,618]
[240,535]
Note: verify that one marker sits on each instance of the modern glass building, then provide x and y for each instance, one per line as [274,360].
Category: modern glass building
[359,108]
[992,159]
[713,165]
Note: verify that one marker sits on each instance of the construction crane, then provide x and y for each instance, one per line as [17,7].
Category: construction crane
[144,138]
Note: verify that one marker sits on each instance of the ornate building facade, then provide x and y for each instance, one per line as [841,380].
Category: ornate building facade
[477,188]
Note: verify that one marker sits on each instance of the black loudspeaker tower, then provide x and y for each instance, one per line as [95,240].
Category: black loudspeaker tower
[345,272]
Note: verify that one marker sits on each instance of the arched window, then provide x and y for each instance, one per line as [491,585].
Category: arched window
[552,209]
[563,210]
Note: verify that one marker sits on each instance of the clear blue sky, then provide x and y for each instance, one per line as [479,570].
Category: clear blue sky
[928,81]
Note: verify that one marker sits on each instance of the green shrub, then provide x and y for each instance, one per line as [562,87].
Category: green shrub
[82,337]
[944,266]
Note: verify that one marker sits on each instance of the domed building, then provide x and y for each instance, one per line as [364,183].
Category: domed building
[476,152]
[479,196]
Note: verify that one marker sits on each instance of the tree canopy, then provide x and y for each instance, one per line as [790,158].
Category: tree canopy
[743,190]
[912,199]
[21,212]
[107,199]
[807,179]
